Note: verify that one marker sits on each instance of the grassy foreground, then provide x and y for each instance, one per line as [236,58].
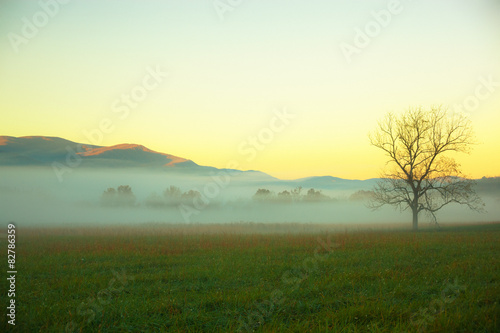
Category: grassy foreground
[233,278]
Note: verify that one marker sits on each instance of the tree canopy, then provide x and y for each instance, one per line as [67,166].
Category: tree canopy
[421,173]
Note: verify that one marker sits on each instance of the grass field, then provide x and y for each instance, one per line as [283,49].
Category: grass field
[293,278]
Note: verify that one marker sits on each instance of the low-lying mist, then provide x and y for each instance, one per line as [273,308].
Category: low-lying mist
[36,197]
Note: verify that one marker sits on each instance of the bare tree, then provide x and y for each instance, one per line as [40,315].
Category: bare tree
[421,175]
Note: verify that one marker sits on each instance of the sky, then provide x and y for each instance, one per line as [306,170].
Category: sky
[290,88]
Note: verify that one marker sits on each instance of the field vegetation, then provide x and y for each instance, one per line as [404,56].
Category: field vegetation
[257,277]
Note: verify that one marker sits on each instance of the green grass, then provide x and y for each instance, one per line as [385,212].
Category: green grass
[214,278]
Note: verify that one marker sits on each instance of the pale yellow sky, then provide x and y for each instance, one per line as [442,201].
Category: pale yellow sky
[228,77]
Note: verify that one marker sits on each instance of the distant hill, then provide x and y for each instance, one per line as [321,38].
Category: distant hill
[334,183]
[41,150]
[44,151]
[489,186]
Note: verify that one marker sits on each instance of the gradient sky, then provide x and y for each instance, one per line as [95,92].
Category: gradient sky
[228,76]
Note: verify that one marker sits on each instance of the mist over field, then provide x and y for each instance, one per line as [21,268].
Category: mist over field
[33,196]
[250,166]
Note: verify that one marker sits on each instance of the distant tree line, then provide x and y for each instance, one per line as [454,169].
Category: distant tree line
[172,196]
[122,196]
[362,195]
[294,195]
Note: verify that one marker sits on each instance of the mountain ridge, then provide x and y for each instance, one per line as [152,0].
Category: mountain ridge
[46,150]
[49,151]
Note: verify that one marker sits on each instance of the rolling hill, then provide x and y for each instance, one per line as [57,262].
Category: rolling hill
[45,151]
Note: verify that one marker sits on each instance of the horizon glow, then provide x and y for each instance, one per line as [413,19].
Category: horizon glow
[230,73]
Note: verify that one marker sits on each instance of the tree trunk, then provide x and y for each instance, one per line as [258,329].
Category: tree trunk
[415,218]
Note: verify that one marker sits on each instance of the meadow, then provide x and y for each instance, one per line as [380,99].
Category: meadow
[256,277]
